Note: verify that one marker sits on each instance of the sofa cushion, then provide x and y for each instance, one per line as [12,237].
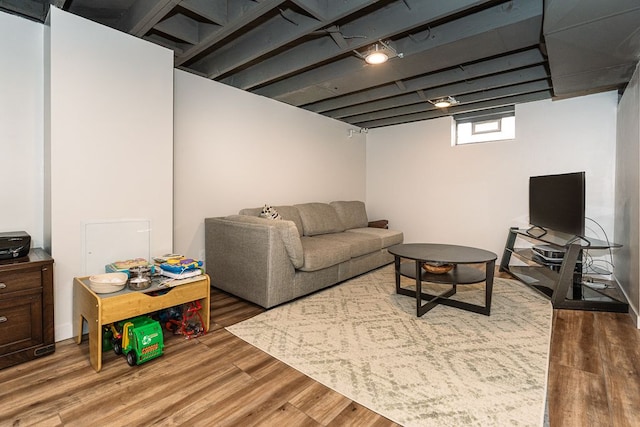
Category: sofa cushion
[288,213]
[388,237]
[319,218]
[359,243]
[352,214]
[320,253]
[287,230]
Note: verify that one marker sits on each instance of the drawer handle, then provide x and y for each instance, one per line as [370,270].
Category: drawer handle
[3,319]
[2,285]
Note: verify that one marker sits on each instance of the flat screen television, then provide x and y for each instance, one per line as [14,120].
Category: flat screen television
[557,202]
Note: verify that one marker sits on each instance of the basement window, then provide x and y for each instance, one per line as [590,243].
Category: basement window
[496,124]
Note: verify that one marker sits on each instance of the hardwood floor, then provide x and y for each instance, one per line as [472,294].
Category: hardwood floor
[218,379]
[594,370]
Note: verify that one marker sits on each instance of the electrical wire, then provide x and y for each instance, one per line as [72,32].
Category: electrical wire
[590,258]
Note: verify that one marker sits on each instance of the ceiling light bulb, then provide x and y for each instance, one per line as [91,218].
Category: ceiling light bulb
[376,56]
[442,103]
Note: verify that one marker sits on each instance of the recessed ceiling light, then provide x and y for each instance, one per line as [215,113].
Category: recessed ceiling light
[444,102]
[379,53]
[376,56]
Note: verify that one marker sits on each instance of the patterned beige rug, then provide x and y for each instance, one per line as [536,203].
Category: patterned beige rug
[447,368]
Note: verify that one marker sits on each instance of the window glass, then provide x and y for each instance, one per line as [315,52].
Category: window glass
[484,127]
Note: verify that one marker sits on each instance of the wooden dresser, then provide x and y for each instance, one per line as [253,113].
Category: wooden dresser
[26,308]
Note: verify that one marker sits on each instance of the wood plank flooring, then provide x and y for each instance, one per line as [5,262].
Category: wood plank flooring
[218,379]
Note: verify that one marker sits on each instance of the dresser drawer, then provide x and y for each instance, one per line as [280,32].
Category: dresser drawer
[12,281]
[20,322]
[26,308]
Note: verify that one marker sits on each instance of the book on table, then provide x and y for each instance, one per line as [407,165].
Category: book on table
[183,275]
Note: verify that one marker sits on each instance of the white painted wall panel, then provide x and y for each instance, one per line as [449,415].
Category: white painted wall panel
[471,195]
[111,142]
[21,127]
[627,226]
[235,150]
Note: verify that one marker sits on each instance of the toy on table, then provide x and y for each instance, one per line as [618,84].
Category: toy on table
[181,268]
[126,265]
[166,257]
[180,265]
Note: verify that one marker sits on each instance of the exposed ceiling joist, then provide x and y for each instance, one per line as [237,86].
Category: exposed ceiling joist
[457,73]
[393,19]
[492,32]
[144,14]
[309,53]
[417,106]
[237,20]
[431,114]
[459,88]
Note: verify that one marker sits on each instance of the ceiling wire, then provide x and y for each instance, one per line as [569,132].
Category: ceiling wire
[336,29]
[287,19]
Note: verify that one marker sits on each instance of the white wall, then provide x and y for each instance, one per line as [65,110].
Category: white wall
[235,150]
[21,126]
[627,230]
[110,143]
[471,195]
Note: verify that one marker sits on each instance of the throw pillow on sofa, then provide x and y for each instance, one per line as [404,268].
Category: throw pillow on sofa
[269,212]
[288,213]
[319,218]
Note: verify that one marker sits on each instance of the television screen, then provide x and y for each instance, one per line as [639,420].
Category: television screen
[557,202]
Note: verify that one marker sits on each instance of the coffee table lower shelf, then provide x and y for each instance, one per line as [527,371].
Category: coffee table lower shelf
[460,275]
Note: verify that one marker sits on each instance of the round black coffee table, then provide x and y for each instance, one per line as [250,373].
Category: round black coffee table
[460,274]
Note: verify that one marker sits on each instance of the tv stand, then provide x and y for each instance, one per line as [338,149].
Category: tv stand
[565,285]
[535,227]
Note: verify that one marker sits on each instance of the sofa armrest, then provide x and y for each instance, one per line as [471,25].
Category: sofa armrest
[381,223]
[287,230]
[247,257]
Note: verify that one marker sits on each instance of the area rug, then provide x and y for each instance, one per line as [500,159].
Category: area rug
[447,368]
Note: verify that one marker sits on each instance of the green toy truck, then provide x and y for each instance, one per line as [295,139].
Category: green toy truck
[139,339]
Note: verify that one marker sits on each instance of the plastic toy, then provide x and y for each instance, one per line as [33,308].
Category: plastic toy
[192,324]
[180,265]
[107,338]
[183,320]
[139,339]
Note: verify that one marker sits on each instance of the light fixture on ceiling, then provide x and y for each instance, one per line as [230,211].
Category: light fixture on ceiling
[379,53]
[444,102]
[376,55]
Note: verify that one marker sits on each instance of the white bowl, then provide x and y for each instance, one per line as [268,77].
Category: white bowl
[108,282]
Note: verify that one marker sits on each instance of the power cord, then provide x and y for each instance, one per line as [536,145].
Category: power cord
[589,264]
[589,258]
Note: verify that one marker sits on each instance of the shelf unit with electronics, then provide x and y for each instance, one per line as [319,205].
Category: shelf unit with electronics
[552,265]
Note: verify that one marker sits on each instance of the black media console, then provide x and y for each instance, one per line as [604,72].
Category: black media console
[552,265]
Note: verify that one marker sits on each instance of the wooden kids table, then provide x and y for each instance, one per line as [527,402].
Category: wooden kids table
[102,309]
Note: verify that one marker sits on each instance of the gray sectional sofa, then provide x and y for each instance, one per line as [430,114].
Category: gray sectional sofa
[312,246]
